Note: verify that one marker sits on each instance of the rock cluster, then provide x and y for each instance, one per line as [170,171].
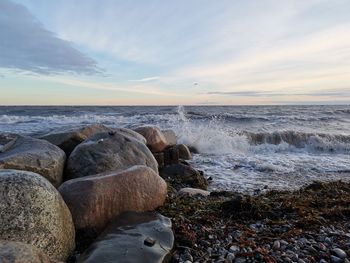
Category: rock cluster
[108,171]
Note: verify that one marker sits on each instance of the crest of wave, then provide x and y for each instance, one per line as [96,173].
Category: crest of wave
[208,137]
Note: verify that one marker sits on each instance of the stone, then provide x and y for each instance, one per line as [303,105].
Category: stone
[276,245]
[132,134]
[32,211]
[171,156]
[18,252]
[160,159]
[170,137]
[106,152]
[124,240]
[96,200]
[184,152]
[339,253]
[193,191]
[180,176]
[69,138]
[335,259]
[34,155]
[156,140]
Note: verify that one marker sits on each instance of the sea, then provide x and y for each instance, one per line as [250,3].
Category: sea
[241,148]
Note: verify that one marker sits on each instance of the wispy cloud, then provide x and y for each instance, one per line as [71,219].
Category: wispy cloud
[327,93]
[148,79]
[26,45]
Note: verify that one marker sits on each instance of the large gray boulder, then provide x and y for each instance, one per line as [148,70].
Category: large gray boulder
[108,151]
[32,211]
[68,138]
[133,237]
[34,155]
[18,252]
[96,200]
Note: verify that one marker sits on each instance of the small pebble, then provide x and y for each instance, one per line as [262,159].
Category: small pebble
[276,245]
[335,259]
[339,253]
[149,242]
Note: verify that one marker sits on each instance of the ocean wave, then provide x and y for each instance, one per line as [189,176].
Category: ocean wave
[310,141]
[213,137]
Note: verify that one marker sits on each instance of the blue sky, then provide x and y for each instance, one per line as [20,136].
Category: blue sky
[174,52]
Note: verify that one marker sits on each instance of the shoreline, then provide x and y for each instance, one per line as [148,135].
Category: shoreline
[101,179]
[306,225]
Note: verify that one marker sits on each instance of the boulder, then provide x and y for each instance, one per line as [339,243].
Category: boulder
[160,159]
[188,191]
[156,140]
[133,237]
[184,152]
[132,134]
[171,156]
[96,200]
[18,252]
[34,155]
[68,138]
[32,211]
[170,137]
[181,175]
[108,151]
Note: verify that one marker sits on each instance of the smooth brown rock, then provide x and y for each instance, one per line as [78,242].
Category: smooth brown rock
[188,191]
[156,140]
[170,137]
[34,155]
[181,175]
[18,252]
[131,238]
[68,138]
[184,152]
[32,211]
[109,151]
[96,200]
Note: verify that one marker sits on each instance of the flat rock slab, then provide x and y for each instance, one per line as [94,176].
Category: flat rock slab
[133,237]
[34,155]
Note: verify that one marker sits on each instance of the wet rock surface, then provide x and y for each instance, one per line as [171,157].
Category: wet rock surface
[32,211]
[133,237]
[109,151]
[18,252]
[309,225]
[94,201]
[182,175]
[34,155]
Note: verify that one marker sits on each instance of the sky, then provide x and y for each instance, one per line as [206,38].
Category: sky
[184,52]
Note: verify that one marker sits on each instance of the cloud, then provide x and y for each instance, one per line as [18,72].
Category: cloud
[149,79]
[327,93]
[26,45]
